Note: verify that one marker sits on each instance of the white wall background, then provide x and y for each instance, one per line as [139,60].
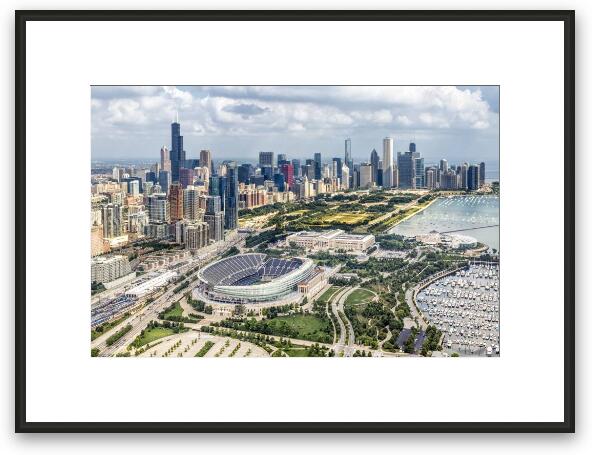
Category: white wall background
[459,444]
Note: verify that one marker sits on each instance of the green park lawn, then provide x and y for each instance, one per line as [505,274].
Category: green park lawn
[359,297]
[306,325]
[154,334]
[328,294]
[175,311]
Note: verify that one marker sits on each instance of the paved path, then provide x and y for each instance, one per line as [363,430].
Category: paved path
[389,335]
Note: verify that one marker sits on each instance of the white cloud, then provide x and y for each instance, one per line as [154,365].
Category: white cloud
[218,113]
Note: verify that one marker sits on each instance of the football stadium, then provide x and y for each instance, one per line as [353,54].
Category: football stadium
[253,278]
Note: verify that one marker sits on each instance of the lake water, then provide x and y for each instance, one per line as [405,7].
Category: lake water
[475,216]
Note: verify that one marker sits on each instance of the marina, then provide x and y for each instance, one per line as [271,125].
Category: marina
[476,216]
[465,307]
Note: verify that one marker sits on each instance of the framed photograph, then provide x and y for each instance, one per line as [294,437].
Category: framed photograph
[300,221]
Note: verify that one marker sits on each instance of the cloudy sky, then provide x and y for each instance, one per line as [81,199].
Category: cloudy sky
[458,123]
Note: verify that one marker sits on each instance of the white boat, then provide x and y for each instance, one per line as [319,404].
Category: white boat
[489,351]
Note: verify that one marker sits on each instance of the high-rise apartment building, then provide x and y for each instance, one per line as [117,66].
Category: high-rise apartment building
[196,235]
[176,202]
[112,220]
[191,208]
[158,208]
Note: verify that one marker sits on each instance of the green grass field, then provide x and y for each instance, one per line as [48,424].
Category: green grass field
[328,294]
[359,296]
[307,326]
[154,334]
[175,311]
[296,352]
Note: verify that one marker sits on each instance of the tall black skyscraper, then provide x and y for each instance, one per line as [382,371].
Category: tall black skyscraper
[318,166]
[481,173]
[473,177]
[177,152]
[374,160]
[231,196]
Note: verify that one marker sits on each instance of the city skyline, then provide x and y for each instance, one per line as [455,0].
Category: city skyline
[236,123]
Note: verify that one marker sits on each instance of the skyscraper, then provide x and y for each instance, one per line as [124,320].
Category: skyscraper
[281,157]
[473,177]
[191,209]
[374,160]
[232,197]
[266,159]
[164,180]
[338,166]
[430,178]
[165,159]
[345,177]
[387,162]
[318,165]
[297,168]
[112,220]
[205,159]
[158,208]
[443,166]
[185,177]
[176,202]
[177,152]
[288,171]
[348,154]
[481,173]
[366,175]
[406,165]
[464,176]
[214,216]
[419,172]
[280,181]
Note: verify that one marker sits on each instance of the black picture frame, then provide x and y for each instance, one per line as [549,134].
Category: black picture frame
[568,423]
